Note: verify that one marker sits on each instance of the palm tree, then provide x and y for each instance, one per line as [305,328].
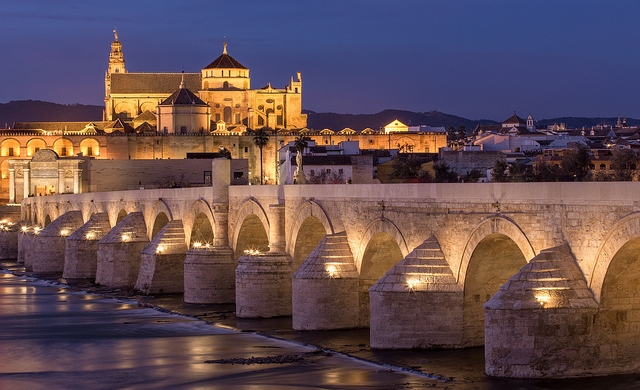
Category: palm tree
[300,143]
[260,139]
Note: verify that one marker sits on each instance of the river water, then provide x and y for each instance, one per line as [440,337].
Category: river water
[55,338]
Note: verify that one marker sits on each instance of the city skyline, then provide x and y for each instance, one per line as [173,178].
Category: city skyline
[468,58]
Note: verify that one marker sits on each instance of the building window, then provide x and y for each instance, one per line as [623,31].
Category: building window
[10,151]
[340,171]
[246,149]
[313,172]
[183,129]
[89,151]
[328,170]
[207,177]
[217,117]
[237,118]
[603,167]
[157,142]
[63,151]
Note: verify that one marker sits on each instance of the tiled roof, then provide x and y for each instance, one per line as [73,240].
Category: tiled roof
[515,119]
[153,83]
[183,97]
[225,61]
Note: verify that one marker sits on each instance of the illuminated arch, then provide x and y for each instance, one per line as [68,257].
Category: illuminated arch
[126,108]
[10,147]
[382,225]
[158,207]
[63,146]
[34,145]
[249,207]
[486,228]
[90,147]
[626,229]
[200,206]
[306,210]
[88,210]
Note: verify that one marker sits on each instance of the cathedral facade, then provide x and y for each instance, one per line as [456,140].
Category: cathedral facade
[224,85]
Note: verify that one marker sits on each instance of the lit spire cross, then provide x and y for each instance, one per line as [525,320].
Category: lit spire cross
[115,33]
[224,46]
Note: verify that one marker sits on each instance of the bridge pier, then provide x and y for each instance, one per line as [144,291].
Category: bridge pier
[81,253]
[119,252]
[209,275]
[25,244]
[49,245]
[418,303]
[325,287]
[263,280]
[9,233]
[162,261]
[210,271]
[540,324]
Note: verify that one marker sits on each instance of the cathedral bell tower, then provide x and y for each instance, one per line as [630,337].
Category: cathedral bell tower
[116,65]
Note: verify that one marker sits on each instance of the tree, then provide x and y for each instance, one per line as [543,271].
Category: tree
[300,143]
[260,139]
[462,132]
[451,133]
[624,163]
[444,174]
[575,164]
[473,176]
[500,173]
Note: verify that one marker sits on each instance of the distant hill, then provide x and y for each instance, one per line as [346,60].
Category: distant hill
[39,111]
[329,120]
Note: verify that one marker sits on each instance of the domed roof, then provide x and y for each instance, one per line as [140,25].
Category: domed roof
[225,61]
[183,97]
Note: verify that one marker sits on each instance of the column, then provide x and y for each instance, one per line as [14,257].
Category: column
[12,185]
[77,180]
[27,182]
[60,189]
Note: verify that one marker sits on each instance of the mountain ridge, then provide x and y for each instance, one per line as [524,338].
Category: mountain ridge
[41,111]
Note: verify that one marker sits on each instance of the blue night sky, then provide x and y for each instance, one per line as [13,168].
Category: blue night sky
[477,59]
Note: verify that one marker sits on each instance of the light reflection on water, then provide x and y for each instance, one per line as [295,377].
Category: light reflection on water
[61,340]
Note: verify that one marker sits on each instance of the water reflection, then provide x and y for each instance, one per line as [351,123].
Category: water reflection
[61,340]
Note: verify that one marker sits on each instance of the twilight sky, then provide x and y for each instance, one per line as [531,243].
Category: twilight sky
[476,59]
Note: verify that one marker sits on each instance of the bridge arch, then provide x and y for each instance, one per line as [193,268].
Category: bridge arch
[493,225]
[623,232]
[382,225]
[89,210]
[495,251]
[200,227]
[159,214]
[250,219]
[310,225]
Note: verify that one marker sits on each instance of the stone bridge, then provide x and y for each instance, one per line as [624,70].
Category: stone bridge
[544,275]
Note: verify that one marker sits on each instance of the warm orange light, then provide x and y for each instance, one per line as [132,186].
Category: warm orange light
[331,270]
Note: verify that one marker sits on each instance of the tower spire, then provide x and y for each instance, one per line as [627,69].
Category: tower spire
[182,86]
[224,48]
